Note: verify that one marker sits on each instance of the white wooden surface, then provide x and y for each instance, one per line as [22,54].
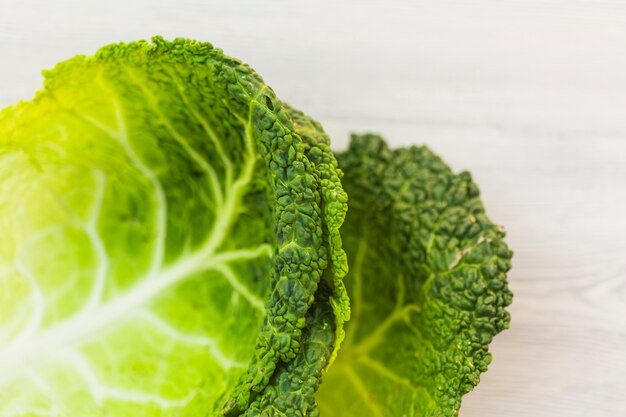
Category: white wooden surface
[528,95]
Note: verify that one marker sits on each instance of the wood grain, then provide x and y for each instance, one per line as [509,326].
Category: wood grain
[530,96]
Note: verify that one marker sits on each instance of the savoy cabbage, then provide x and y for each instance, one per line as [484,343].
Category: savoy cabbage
[171,244]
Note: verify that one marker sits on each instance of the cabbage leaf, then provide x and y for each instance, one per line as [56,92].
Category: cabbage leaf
[427,284]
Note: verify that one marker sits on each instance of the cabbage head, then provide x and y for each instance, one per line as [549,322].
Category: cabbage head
[171,244]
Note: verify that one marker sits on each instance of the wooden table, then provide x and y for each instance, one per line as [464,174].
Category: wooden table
[529,96]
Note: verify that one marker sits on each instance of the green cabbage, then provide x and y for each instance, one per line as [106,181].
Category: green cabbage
[170,245]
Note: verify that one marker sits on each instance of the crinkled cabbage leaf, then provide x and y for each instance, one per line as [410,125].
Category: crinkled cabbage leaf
[427,285]
[171,246]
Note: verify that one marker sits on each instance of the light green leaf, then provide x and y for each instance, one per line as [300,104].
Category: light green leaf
[161,227]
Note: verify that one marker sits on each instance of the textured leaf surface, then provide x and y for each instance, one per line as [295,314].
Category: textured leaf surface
[427,285]
[161,226]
